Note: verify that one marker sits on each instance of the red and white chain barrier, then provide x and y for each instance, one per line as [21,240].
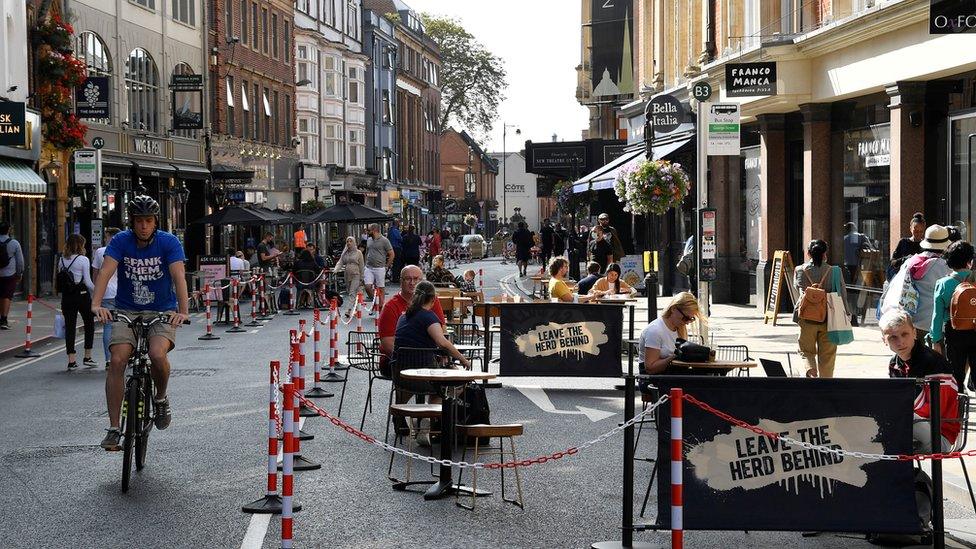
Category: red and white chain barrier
[27,352]
[677,456]
[289,449]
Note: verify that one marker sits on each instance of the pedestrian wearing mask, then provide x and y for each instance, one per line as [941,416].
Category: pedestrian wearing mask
[76,287]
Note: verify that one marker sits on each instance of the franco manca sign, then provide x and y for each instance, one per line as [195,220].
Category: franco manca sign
[750,79]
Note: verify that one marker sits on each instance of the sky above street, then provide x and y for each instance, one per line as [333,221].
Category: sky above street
[539,41]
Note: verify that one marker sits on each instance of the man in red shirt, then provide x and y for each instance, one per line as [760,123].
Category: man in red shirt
[410,276]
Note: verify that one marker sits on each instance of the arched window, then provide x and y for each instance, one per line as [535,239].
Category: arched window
[93,51]
[142,90]
[189,102]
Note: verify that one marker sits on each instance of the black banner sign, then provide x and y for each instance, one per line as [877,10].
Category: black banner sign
[186,82]
[952,16]
[734,479]
[13,124]
[92,98]
[561,339]
[559,157]
[611,53]
[750,79]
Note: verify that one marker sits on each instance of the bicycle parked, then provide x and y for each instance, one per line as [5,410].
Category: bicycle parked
[137,419]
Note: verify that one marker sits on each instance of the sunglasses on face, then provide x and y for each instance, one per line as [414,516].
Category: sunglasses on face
[685,317]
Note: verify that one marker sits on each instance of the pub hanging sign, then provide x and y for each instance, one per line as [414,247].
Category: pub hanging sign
[750,79]
[92,99]
[187,92]
[13,124]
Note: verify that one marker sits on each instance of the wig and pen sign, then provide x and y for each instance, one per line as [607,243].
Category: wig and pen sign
[560,339]
[736,479]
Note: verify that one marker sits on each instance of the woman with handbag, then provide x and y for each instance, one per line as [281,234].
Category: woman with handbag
[75,285]
[659,339]
[813,280]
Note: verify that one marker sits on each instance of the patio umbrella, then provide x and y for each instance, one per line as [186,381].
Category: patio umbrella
[237,215]
[349,213]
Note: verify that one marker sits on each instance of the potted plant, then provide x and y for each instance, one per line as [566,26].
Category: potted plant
[652,186]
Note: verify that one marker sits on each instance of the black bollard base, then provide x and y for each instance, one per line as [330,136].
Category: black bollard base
[305,411]
[254,323]
[292,312]
[268,505]
[333,377]
[302,435]
[620,545]
[236,330]
[208,337]
[28,354]
[318,392]
[303,464]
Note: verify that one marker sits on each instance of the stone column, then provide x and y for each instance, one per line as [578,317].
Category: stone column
[907,107]
[772,160]
[816,173]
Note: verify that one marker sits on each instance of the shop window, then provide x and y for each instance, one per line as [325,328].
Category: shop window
[231,130]
[961,206]
[867,160]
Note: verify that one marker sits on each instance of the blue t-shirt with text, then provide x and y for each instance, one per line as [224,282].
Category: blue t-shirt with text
[143,273]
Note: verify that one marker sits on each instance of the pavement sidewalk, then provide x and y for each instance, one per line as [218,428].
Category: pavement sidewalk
[42,326]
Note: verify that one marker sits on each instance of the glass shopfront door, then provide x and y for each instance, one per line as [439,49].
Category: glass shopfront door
[961,209]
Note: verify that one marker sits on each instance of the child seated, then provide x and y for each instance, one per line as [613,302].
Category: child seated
[466,282]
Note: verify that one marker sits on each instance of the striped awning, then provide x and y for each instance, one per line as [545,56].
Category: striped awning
[18,180]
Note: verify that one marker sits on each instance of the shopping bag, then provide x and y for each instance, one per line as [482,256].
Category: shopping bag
[59,325]
[839,330]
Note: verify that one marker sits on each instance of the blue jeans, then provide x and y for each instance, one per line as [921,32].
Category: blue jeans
[107,329]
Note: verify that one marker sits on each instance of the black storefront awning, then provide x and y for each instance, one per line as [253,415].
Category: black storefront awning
[222,172]
[604,177]
[186,171]
[116,162]
[154,169]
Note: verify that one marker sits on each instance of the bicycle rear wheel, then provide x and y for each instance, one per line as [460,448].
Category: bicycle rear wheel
[132,424]
[145,426]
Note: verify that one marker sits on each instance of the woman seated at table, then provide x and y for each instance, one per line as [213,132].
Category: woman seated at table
[438,274]
[419,327]
[611,284]
[558,289]
[658,340]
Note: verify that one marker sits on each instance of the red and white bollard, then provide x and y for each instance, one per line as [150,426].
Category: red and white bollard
[292,296]
[359,319]
[253,283]
[206,305]
[288,465]
[304,411]
[265,313]
[317,391]
[28,352]
[677,456]
[235,307]
[300,463]
[481,281]
[332,375]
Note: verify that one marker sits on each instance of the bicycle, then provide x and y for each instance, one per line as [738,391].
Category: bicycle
[137,418]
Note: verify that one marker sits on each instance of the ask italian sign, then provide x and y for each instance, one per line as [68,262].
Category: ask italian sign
[750,79]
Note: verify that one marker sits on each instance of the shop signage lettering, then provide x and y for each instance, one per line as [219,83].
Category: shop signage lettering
[875,153]
[13,124]
[666,113]
[91,98]
[514,188]
[88,166]
[951,17]
[147,146]
[559,157]
[750,79]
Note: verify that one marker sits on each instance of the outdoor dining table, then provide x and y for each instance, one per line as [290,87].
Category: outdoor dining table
[444,379]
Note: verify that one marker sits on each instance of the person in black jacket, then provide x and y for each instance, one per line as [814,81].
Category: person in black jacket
[523,241]
[411,246]
[547,234]
[559,239]
[907,246]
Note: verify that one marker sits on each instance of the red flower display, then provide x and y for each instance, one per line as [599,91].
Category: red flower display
[58,72]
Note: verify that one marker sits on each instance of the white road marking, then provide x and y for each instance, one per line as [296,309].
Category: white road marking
[538,396]
[257,529]
[46,354]
[253,331]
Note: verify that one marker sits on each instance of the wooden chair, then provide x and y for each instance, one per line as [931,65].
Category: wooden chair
[407,358]
[447,304]
[490,316]
[501,432]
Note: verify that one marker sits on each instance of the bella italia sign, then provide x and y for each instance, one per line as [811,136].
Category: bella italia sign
[750,79]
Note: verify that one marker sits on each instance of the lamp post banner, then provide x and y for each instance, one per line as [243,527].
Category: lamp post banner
[561,339]
[735,479]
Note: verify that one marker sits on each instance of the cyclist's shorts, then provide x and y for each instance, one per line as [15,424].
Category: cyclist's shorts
[122,333]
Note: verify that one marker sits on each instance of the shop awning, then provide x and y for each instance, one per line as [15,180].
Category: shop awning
[222,172]
[187,171]
[18,180]
[604,177]
[153,168]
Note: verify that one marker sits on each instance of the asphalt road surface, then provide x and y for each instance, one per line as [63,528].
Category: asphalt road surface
[59,489]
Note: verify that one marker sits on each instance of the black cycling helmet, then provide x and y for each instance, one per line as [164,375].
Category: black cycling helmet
[143,205]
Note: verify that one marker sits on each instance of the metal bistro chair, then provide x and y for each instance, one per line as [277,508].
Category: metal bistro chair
[374,373]
[962,439]
[734,353]
[646,400]
[306,289]
[490,317]
[400,413]
[468,333]
[360,355]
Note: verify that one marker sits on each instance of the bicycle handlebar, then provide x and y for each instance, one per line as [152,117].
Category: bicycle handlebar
[159,318]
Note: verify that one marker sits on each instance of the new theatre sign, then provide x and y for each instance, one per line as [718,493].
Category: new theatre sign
[750,79]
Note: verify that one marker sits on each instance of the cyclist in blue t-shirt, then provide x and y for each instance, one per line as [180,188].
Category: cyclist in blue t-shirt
[149,264]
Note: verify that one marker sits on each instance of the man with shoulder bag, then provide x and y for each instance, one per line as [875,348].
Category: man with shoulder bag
[11,271]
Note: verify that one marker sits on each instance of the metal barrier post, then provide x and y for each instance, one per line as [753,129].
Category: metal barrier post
[935,423]
[317,391]
[254,303]
[28,352]
[677,456]
[291,296]
[288,467]
[236,309]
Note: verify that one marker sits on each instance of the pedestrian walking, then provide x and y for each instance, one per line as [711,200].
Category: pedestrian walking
[379,258]
[108,300]
[559,240]
[522,239]
[919,274]
[433,245]
[958,346]
[603,221]
[76,287]
[547,236]
[301,238]
[908,246]
[353,265]
[815,347]
[855,244]
[411,248]
[396,240]
[601,250]
[11,271]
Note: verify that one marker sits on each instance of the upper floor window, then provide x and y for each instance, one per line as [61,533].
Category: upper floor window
[274,35]
[142,91]
[185,11]
[151,4]
[304,6]
[244,28]
[287,36]
[229,18]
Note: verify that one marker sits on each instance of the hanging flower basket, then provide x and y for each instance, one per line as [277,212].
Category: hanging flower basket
[59,71]
[652,187]
[470,220]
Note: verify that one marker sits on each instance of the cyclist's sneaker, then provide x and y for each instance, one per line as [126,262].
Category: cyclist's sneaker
[163,415]
[3,324]
[90,363]
[112,440]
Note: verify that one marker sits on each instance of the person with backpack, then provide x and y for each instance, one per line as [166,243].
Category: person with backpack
[913,288]
[76,287]
[812,279]
[11,270]
[951,335]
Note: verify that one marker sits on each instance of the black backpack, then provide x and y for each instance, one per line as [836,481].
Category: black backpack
[5,254]
[476,410]
[64,282]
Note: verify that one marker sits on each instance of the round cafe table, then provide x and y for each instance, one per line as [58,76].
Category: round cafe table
[444,378]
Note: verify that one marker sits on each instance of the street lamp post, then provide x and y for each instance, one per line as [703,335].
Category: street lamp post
[505,173]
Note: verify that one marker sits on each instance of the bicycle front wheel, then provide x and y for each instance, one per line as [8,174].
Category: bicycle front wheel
[145,426]
[132,424]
